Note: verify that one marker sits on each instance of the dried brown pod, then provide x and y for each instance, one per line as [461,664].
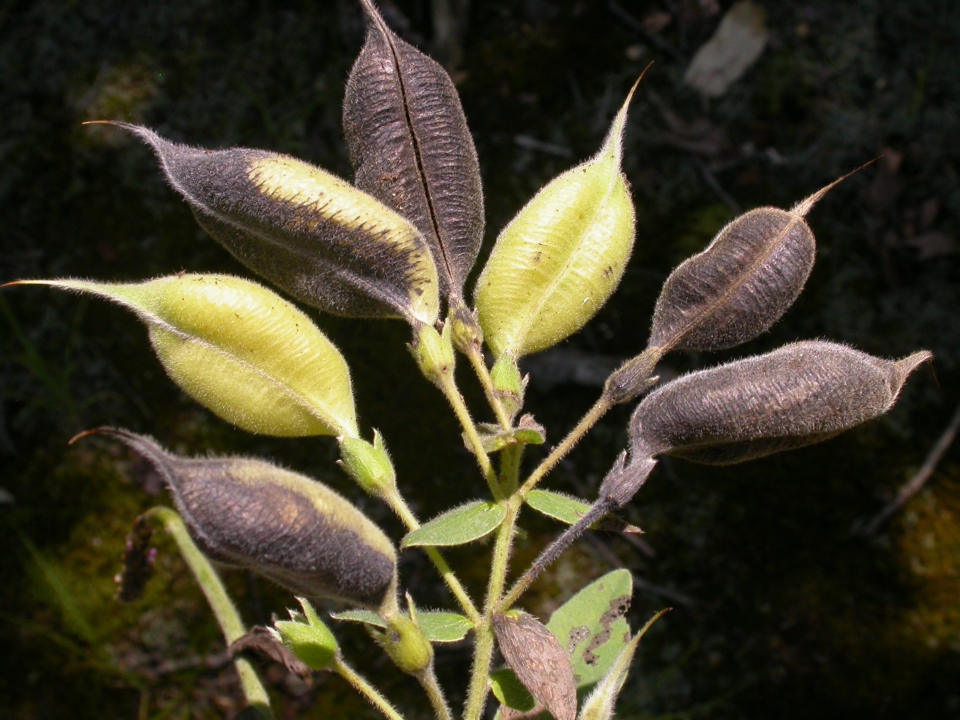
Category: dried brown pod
[745,280]
[279,524]
[539,661]
[798,395]
[412,150]
[312,234]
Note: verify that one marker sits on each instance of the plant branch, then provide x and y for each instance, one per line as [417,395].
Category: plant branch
[428,680]
[366,689]
[475,356]
[223,608]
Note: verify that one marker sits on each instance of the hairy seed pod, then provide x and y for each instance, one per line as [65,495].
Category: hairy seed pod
[240,350]
[561,257]
[539,661]
[798,395]
[738,287]
[282,525]
[312,234]
[411,148]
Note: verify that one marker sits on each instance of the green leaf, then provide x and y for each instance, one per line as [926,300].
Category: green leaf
[495,438]
[592,627]
[510,691]
[568,509]
[458,526]
[437,626]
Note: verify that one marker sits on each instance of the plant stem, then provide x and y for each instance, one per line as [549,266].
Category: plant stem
[403,511]
[475,356]
[428,680]
[483,649]
[223,608]
[599,409]
[366,689]
[449,387]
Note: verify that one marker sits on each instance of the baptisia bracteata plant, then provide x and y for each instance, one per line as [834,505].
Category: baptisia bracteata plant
[400,242]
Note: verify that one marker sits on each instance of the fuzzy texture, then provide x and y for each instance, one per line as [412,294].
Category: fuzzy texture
[279,524]
[412,150]
[794,396]
[739,286]
[309,232]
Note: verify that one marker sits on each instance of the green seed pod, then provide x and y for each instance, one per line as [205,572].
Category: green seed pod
[539,661]
[368,464]
[798,395]
[412,150]
[240,350]
[282,525]
[434,354]
[738,287]
[561,257]
[307,637]
[314,235]
[406,645]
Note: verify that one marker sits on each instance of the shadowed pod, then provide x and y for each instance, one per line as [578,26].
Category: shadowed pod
[312,234]
[412,150]
[282,525]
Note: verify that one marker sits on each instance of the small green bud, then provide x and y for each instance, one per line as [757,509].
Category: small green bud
[240,350]
[308,637]
[284,526]
[508,384]
[560,259]
[434,354]
[368,464]
[467,332]
[406,645]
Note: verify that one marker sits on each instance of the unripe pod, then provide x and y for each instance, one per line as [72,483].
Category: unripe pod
[240,350]
[738,287]
[561,257]
[406,645]
[307,637]
[798,395]
[277,523]
[309,232]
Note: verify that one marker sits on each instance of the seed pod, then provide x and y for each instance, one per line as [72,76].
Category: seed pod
[279,524]
[314,235]
[561,257]
[738,287]
[411,148]
[798,395]
[539,661]
[240,350]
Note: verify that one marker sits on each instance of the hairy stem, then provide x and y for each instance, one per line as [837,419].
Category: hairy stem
[366,689]
[223,608]
[449,387]
[428,680]
[400,507]
[475,356]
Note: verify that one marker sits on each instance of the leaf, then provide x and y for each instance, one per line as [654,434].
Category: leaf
[539,661]
[459,526]
[240,350]
[508,689]
[495,438]
[569,510]
[314,235]
[591,626]
[599,705]
[559,260]
[411,148]
[437,626]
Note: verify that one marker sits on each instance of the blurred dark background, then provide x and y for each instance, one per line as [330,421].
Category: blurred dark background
[781,609]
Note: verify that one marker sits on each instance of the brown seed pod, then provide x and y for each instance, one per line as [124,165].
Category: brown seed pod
[738,287]
[798,395]
[279,524]
[314,235]
[539,661]
[411,148]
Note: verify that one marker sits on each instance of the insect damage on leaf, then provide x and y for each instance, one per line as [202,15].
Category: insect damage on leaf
[617,609]
[411,148]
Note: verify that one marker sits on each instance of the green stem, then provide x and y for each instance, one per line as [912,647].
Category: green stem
[483,649]
[599,409]
[475,356]
[428,680]
[400,507]
[449,387]
[223,608]
[366,689]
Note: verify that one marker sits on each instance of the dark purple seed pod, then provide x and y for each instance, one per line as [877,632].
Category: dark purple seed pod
[798,395]
[282,525]
[317,237]
[412,150]
[738,287]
